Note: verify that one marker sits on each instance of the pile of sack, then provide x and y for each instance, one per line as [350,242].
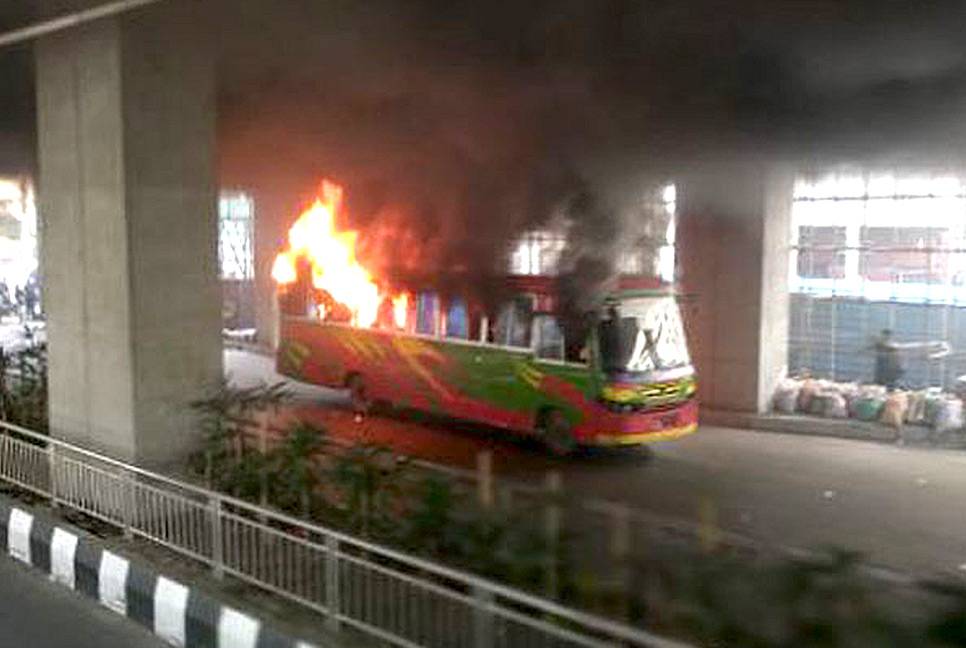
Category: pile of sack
[829,399]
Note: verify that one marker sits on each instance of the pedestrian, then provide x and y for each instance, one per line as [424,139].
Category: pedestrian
[888,361]
[889,368]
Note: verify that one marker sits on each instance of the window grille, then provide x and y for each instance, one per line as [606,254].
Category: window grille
[872,252]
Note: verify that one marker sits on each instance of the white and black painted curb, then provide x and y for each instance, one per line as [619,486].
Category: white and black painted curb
[176,613]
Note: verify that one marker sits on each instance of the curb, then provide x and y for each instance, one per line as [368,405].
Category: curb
[806,426]
[175,613]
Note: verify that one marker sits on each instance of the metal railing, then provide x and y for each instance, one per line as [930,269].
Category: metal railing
[622,530]
[604,523]
[388,595]
[606,540]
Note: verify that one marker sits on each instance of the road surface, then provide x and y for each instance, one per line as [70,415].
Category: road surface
[36,613]
[905,508]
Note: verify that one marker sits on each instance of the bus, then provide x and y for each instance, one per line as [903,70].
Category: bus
[628,381]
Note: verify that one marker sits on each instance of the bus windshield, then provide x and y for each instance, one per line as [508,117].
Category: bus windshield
[641,335]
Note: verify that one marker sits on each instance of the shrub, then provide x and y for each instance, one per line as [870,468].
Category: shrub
[23,387]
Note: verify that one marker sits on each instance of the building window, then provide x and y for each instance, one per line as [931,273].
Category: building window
[646,250]
[236,220]
[538,253]
[651,249]
[877,251]
[18,232]
[905,254]
[822,252]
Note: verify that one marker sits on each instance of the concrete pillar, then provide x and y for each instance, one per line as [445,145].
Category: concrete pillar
[276,209]
[126,112]
[733,255]
[271,227]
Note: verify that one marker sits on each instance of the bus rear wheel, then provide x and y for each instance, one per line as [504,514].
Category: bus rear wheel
[358,396]
[558,434]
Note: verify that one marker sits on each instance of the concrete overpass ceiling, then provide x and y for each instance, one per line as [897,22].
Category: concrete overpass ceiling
[806,78]
[17,128]
[818,78]
[459,111]
[607,84]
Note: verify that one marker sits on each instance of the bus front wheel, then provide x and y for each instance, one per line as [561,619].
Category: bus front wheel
[558,434]
[358,396]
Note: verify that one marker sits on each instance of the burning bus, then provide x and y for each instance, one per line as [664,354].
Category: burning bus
[627,380]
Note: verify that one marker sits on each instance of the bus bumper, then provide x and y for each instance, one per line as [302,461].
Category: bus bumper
[618,430]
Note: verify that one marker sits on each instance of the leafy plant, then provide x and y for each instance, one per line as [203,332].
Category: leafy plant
[725,600]
[226,415]
[23,386]
[430,524]
[368,477]
[292,473]
[243,476]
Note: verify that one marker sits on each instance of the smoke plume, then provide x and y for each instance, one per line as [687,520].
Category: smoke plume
[456,126]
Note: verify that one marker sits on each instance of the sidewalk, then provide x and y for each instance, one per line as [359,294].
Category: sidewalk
[913,435]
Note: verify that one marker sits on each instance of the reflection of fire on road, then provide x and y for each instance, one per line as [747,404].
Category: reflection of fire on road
[348,290]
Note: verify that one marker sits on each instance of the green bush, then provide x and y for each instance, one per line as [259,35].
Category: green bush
[291,475]
[369,490]
[366,489]
[719,597]
[23,387]
[722,599]
[225,461]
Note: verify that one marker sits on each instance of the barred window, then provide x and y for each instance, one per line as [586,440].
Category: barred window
[822,254]
[905,254]
[647,249]
[875,251]
[236,255]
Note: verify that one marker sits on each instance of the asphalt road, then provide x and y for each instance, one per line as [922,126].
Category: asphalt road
[36,613]
[903,507]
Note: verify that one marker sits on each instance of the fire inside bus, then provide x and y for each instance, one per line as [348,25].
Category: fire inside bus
[629,380]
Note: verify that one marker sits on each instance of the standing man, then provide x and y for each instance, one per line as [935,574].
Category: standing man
[888,357]
[888,362]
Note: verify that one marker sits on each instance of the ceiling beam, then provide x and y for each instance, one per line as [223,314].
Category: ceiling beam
[67,21]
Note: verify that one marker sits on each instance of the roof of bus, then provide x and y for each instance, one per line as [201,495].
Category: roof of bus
[631,294]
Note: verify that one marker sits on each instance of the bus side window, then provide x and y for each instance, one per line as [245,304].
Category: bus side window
[501,327]
[577,353]
[482,330]
[514,322]
[427,306]
[548,338]
[580,355]
[457,319]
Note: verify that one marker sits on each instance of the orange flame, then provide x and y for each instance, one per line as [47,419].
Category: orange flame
[400,307]
[283,270]
[331,255]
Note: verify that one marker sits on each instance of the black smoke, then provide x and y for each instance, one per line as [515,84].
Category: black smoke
[463,123]
[466,123]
